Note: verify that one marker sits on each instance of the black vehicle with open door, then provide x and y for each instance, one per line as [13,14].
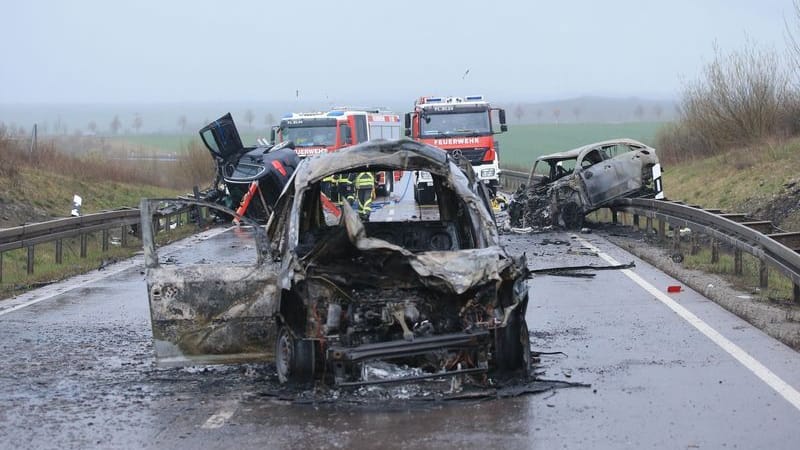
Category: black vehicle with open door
[249,179]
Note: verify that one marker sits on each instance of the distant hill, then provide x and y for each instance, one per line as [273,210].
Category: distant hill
[93,119]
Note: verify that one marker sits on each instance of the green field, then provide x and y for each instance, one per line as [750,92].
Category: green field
[171,143]
[522,144]
[519,147]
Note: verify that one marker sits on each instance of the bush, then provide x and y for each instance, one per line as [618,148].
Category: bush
[742,98]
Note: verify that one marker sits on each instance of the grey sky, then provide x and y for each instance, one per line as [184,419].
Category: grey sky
[343,51]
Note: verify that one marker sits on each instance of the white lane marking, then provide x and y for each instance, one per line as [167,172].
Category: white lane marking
[761,371]
[218,420]
[105,275]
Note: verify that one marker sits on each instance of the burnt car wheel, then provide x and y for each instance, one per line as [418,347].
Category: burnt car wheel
[571,216]
[512,345]
[294,358]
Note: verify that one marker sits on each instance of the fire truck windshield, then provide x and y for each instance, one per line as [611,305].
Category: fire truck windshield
[455,123]
[305,136]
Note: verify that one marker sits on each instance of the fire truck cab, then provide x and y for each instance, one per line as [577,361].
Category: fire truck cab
[322,132]
[462,126]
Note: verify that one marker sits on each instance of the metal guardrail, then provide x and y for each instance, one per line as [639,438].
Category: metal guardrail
[29,236]
[511,180]
[772,247]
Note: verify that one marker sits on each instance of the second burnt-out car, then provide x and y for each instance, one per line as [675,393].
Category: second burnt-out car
[332,292]
[563,187]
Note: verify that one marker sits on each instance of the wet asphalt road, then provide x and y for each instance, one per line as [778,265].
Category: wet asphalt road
[78,372]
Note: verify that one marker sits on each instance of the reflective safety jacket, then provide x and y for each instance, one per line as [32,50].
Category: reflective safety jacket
[365,180]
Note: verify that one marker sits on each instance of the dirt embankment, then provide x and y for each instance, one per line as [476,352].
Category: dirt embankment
[783,208]
[14,213]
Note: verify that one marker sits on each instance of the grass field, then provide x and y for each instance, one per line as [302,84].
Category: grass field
[522,144]
[171,143]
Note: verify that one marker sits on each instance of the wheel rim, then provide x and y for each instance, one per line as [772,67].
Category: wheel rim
[284,353]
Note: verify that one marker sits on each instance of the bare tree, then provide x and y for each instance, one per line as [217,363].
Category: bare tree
[576,111]
[658,111]
[556,113]
[539,114]
[249,117]
[115,125]
[519,111]
[269,120]
[137,123]
[92,126]
[638,112]
[182,122]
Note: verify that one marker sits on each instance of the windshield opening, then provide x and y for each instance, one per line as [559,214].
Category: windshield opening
[310,136]
[458,123]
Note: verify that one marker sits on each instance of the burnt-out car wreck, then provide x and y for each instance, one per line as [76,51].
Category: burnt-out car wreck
[331,292]
[563,187]
[248,179]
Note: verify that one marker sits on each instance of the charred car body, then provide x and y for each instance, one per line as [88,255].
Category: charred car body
[248,179]
[564,187]
[331,292]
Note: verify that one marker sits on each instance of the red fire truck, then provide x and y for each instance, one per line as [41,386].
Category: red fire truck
[322,132]
[461,125]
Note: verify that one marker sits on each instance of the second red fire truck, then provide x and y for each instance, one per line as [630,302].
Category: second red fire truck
[460,125]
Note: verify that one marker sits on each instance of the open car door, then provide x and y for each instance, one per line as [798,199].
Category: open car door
[221,137]
[208,313]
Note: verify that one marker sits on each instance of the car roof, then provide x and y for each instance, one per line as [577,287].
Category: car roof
[403,154]
[576,152]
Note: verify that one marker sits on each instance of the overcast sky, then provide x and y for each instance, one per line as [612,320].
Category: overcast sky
[341,51]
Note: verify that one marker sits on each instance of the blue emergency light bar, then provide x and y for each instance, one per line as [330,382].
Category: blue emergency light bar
[474,98]
[335,113]
[433,100]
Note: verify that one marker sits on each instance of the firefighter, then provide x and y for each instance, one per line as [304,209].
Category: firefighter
[365,187]
[344,183]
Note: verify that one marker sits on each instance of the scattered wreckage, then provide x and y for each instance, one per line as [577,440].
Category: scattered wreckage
[564,187]
[330,292]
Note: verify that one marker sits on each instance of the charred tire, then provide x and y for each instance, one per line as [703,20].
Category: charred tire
[512,345]
[571,216]
[294,358]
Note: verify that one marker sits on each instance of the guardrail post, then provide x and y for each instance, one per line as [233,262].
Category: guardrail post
[30,260]
[714,251]
[614,218]
[737,262]
[83,245]
[676,238]
[636,221]
[662,230]
[695,245]
[1,267]
[796,287]
[198,210]
[59,251]
[123,236]
[168,223]
[763,274]
[105,240]
[648,224]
